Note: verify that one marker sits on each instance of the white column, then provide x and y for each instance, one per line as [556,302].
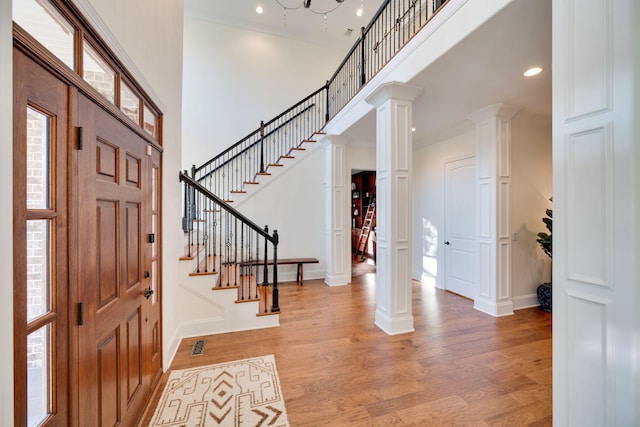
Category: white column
[338,227]
[493,177]
[393,102]
[596,213]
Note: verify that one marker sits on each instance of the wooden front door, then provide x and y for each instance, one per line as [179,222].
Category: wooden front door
[118,350]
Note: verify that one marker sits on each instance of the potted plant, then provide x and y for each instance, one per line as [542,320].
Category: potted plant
[545,242]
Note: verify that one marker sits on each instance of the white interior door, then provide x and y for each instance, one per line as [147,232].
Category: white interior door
[460,226]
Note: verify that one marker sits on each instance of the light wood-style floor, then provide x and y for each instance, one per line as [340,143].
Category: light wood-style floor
[459,368]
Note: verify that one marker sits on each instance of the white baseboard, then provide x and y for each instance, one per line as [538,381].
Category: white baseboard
[212,326]
[503,308]
[525,301]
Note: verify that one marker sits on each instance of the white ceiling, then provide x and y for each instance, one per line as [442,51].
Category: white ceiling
[485,68]
[301,24]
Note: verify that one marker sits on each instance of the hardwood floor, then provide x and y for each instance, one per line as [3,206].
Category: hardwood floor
[459,368]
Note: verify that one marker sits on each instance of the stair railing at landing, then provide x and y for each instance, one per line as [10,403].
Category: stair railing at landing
[226,243]
[264,148]
[237,167]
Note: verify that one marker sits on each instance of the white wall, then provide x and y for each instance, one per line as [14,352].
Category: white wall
[530,191]
[361,157]
[151,35]
[233,78]
[294,204]
[428,204]
[6,215]
[531,188]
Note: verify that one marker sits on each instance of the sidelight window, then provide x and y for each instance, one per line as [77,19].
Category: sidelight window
[39,375]
[40,283]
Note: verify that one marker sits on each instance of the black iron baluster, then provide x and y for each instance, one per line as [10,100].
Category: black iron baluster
[205,237]
[227,244]
[261,146]
[363,76]
[250,264]
[197,227]
[214,223]
[220,239]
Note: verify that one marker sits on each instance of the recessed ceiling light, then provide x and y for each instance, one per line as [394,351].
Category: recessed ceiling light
[359,12]
[413,129]
[533,71]
[259,9]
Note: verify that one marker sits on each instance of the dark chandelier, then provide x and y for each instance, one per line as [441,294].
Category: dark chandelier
[307,5]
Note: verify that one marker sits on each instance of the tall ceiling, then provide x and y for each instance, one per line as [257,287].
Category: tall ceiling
[342,24]
[484,68]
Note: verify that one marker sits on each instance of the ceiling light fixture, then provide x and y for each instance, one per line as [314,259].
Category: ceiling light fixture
[287,5]
[259,10]
[533,71]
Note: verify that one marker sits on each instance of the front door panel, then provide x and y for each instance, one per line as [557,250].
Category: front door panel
[113,214]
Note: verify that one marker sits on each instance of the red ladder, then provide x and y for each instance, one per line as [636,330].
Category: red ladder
[366,229]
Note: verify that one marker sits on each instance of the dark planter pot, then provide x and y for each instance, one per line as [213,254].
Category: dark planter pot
[544,297]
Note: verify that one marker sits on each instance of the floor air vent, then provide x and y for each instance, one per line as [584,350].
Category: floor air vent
[198,348]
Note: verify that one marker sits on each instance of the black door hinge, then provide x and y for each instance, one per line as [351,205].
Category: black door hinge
[80,135]
[80,314]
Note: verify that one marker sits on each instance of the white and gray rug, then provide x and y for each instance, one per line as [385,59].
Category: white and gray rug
[239,393]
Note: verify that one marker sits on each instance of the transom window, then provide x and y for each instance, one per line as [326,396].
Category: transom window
[51,28]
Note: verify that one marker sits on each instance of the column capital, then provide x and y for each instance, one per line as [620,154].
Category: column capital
[393,90]
[505,111]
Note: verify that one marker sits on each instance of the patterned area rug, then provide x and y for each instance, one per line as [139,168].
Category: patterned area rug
[239,393]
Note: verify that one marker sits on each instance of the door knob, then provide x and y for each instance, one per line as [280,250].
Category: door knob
[447,243]
[148,292]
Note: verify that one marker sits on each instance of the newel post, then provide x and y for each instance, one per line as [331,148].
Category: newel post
[274,298]
[265,274]
[326,113]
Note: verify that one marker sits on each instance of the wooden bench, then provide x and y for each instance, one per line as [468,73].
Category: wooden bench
[291,261]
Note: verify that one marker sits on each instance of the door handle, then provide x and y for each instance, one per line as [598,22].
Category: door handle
[447,243]
[148,292]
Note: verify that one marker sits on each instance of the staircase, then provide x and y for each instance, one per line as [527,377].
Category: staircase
[230,271]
